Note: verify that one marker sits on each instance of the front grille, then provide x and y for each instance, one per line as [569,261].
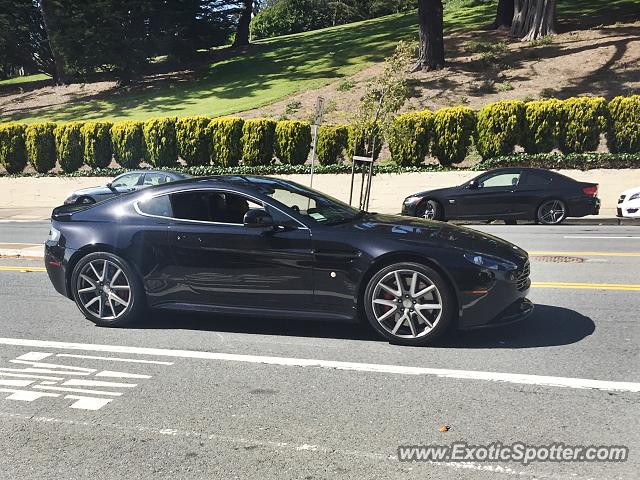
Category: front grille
[523,278]
[622,197]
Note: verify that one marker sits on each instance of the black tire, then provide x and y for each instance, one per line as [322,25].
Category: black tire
[135,298]
[548,212]
[85,201]
[441,318]
[430,210]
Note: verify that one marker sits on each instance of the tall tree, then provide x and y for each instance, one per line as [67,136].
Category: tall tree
[47,16]
[431,35]
[504,14]
[242,32]
[533,19]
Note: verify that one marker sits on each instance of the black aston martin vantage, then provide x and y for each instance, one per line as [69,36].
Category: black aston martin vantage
[274,248]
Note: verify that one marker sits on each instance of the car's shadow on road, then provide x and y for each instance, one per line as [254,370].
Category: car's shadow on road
[547,326]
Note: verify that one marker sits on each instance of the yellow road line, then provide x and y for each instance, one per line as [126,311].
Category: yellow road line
[12,268]
[588,286]
[589,254]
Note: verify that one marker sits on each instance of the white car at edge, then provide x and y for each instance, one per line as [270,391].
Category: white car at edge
[629,203]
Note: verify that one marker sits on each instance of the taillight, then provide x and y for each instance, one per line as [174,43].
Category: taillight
[591,191]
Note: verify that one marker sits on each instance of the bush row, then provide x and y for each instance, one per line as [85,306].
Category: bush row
[572,126]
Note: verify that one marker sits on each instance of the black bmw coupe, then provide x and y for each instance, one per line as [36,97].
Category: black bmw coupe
[273,248]
[508,194]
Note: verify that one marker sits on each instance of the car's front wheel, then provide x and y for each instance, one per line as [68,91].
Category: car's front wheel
[430,210]
[409,303]
[107,290]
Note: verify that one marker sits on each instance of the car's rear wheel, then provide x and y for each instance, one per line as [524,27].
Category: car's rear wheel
[107,290]
[409,303]
[430,210]
[552,212]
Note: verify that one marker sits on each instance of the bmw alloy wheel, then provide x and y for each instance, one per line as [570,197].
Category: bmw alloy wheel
[552,212]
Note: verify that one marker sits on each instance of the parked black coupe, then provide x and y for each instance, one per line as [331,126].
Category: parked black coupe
[508,194]
[273,248]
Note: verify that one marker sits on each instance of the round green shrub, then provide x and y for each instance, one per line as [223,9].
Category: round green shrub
[193,140]
[331,143]
[453,130]
[69,147]
[160,141]
[500,127]
[623,134]
[541,125]
[98,150]
[225,140]
[292,141]
[410,137]
[128,143]
[13,153]
[583,120]
[257,141]
[41,146]
[358,144]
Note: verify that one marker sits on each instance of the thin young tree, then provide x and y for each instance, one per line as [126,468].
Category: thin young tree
[431,35]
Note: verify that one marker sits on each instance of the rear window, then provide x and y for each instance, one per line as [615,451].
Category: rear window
[159,206]
[537,178]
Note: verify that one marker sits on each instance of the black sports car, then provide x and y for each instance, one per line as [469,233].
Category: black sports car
[508,194]
[269,247]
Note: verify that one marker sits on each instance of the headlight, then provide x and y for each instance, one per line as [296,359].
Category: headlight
[54,235]
[412,199]
[635,196]
[491,263]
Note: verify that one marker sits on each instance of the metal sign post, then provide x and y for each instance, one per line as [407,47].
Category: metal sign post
[314,131]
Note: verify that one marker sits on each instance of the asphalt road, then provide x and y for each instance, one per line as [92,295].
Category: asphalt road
[210,397]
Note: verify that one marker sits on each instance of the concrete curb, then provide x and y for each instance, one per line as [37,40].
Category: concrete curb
[27,251]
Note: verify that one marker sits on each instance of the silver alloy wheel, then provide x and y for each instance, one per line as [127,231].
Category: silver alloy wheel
[429,211]
[407,304]
[103,289]
[552,212]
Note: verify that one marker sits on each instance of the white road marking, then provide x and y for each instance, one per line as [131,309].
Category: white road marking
[109,373]
[77,390]
[42,370]
[603,237]
[35,356]
[22,375]
[15,383]
[88,403]
[95,383]
[517,378]
[53,365]
[132,360]
[26,395]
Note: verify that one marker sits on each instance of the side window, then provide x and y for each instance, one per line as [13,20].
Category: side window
[501,180]
[125,181]
[151,179]
[211,206]
[536,178]
[159,206]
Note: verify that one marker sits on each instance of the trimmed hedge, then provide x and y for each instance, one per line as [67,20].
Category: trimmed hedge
[160,141]
[623,134]
[541,125]
[41,146]
[128,143]
[499,128]
[356,142]
[257,141]
[98,150]
[292,141]
[453,130]
[13,153]
[225,140]
[193,140]
[573,161]
[410,137]
[582,119]
[331,143]
[69,146]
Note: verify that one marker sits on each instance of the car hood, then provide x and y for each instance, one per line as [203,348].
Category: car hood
[410,229]
[630,192]
[101,190]
[434,191]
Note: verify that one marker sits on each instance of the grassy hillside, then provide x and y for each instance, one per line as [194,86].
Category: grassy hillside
[270,70]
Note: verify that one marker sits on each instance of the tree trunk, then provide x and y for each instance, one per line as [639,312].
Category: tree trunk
[59,77]
[242,33]
[431,55]
[504,14]
[533,19]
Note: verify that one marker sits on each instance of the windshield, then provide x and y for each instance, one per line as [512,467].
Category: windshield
[307,202]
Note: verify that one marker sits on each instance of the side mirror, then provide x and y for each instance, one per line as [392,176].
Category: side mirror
[110,186]
[257,218]
[473,184]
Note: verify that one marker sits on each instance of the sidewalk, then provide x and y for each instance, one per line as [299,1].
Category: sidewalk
[25,251]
